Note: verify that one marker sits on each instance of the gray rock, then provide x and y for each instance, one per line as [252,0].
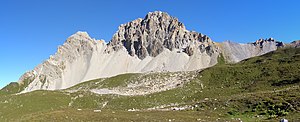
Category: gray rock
[235,52]
[202,48]
[189,50]
[209,50]
[283,120]
[156,32]
[261,42]
[295,44]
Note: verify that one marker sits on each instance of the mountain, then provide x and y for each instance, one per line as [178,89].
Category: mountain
[235,52]
[262,88]
[154,69]
[156,43]
[295,44]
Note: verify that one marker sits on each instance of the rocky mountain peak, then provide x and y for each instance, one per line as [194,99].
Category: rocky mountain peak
[153,34]
[81,33]
[77,37]
[262,42]
[295,44]
[163,18]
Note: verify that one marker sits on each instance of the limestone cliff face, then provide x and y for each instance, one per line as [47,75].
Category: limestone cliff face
[58,71]
[156,43]
[155,33]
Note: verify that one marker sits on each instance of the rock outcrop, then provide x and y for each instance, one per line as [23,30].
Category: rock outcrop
[295,44]
[155,33]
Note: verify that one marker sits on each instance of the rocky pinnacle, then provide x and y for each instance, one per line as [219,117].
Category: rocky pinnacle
[156,32]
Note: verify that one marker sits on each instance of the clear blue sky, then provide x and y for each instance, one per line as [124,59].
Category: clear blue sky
[31,30]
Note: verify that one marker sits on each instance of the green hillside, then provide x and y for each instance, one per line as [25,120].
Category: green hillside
[264,88]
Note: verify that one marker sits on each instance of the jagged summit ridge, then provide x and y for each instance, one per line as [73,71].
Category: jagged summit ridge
[262,42]
[156,32]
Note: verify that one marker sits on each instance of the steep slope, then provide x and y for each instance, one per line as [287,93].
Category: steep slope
[67,67]
[235,52]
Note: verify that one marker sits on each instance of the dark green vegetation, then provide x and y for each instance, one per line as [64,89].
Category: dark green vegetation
[14,87]
[264,88]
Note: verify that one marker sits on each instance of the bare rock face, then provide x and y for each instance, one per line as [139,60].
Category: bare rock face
[153,34]
[295,44]
[52,73]
[235,52]
[262,42]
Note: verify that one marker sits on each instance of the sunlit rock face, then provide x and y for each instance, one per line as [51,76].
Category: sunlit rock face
[295,44]
[67,66]
[155,33]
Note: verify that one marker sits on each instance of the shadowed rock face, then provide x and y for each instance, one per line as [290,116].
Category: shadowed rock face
[262,42]
[156,32]
[295,44]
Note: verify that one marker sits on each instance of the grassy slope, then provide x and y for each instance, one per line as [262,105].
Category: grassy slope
[19,106]
[265,86]
[15,87]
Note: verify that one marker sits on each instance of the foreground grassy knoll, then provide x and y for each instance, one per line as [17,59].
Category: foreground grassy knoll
[264,88]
